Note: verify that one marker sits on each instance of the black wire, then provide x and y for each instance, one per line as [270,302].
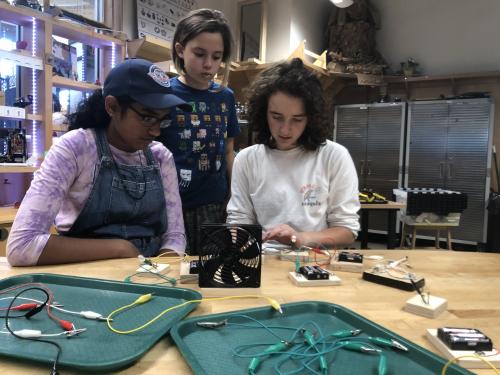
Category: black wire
[27,315]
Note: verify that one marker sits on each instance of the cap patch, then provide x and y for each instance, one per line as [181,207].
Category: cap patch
[159,76]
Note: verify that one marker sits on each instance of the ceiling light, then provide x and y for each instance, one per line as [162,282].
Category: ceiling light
[342,3]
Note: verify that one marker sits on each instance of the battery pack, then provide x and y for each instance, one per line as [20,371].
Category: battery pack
[314,273]
[464,339]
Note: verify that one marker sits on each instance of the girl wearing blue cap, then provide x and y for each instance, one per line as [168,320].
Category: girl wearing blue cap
[202,140]
[110,190]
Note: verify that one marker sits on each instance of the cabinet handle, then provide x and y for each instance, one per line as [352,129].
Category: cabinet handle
[450,170]
[441,167]
[369,168]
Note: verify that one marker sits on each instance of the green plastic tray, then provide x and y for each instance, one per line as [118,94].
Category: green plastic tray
[209,351]
[97,349]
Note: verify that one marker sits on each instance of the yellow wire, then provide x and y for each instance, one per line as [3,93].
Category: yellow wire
[166,258]
[147,297]
[456,359]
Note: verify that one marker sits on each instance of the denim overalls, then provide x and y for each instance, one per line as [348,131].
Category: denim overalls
[125,202]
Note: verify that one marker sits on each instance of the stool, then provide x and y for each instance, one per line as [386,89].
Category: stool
[438,227]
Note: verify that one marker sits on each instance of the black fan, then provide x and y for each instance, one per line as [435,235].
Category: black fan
[230,256]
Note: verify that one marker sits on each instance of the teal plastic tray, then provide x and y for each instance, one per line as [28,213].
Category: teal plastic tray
[210,351]
[97,349]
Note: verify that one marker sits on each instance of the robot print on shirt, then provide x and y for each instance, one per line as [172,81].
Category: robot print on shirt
[203,162]
[197,147]
[202,106]
[223,107]
[185,178]
[201,134]
[181,120]
[195,120]
[185,134]
[183,146]
[218,119]
[310,194]
[206,118]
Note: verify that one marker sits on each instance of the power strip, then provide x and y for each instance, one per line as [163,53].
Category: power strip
[300,280]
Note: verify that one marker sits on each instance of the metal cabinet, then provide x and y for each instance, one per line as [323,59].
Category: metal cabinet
[373,134]
[449,146]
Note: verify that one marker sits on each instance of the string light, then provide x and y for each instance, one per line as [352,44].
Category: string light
[113,55]
[34,90]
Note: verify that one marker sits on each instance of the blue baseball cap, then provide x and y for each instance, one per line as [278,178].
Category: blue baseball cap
[143,82]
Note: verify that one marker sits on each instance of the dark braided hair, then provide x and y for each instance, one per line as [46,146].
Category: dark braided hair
[91,112]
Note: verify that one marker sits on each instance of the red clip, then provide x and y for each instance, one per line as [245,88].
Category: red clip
[25,306]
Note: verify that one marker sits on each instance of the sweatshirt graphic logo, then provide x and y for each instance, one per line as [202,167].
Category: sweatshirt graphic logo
[310,194]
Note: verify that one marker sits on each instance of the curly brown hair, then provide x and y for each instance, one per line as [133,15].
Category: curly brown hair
[294,79]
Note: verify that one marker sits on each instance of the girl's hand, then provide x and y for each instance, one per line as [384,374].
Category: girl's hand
[282,233]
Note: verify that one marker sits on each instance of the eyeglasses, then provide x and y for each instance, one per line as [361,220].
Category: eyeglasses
[148,120]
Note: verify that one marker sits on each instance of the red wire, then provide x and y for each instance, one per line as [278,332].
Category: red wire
[67,326]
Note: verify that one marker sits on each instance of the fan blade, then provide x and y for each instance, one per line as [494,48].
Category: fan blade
[209,264]
[251,249]
[219,239]
[244,272]
[227,275]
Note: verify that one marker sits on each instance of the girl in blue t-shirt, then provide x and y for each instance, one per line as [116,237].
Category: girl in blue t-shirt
[202,140]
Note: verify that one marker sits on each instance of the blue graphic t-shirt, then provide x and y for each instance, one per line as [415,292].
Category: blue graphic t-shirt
[197,140]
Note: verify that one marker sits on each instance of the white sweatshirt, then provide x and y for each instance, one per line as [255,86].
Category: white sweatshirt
[308,190]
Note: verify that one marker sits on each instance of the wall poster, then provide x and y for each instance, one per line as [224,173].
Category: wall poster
[159,18]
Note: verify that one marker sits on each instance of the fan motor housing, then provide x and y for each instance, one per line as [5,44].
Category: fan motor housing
[230,255]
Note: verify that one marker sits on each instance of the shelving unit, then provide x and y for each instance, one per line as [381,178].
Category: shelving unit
[149,48]
[67,83]
[36,72]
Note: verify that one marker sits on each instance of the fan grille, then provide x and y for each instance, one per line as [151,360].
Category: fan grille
[230,256]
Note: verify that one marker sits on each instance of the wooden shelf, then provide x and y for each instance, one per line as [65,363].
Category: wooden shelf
[149,48]
[71,84]
[83,34]
[32,117]
[20,15]
[444,77]
[16,168]
[22,59]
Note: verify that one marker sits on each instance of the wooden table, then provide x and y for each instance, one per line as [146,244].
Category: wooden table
[469,281]
[7,215]
[391,208]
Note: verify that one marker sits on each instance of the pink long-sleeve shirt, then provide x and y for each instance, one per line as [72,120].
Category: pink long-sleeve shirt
[60,189]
